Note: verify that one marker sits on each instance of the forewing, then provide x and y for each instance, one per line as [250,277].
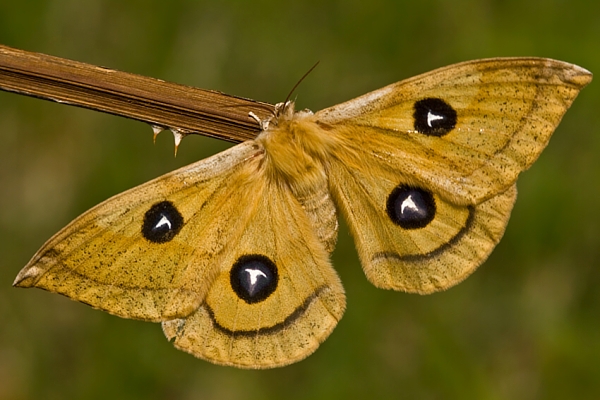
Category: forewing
[146,253]
[465,131]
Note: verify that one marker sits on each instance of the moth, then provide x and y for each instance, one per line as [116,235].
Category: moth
[231,254]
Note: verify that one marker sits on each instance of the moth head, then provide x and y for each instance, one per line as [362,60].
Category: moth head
[283,111]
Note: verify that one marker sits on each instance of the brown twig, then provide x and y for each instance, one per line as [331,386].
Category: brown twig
[183,109]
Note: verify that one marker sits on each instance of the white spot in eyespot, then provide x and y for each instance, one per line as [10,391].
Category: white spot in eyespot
[254,274]
[433,117]
[162,222]
[408,203]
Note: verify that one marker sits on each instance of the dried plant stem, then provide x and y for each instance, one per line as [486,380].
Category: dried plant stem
[183,109]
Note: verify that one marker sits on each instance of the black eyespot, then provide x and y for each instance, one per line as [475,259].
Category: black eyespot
[254,277]
[410,207]
[162,222]
[434,117]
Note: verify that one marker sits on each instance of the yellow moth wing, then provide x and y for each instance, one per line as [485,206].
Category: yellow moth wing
[232,212]
[455,140]
[102,258]
[506,110]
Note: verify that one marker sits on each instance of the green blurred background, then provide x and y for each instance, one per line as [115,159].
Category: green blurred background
[526,325]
